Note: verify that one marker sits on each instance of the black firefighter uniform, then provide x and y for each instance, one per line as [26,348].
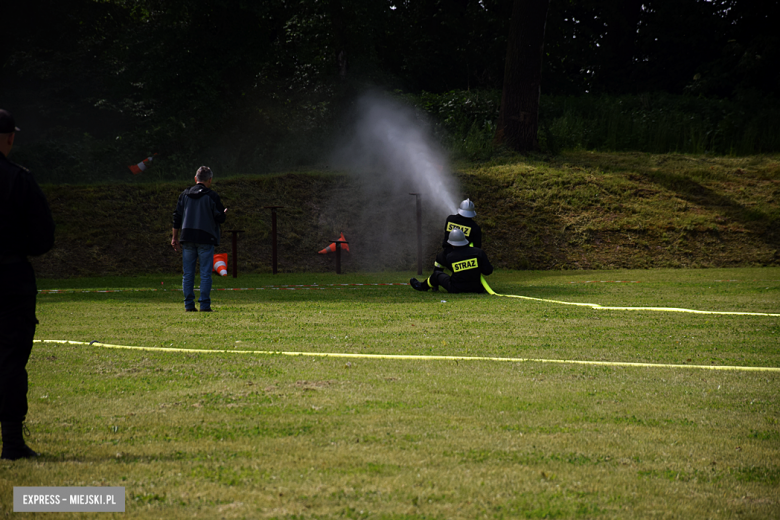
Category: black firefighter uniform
[467,264]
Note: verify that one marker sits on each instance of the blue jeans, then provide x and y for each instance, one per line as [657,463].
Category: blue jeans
[192,253]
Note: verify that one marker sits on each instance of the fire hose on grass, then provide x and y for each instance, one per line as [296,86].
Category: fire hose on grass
[463,358]
[610,308]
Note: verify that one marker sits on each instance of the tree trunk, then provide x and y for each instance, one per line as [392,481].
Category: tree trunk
[518,119]
[339,36]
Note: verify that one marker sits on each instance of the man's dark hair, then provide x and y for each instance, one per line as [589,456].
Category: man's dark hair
[204,174]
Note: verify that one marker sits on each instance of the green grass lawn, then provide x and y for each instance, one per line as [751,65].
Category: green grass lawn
[223,435]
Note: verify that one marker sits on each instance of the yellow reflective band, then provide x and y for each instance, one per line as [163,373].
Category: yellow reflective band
[451,225]
[437,264]
[429,282]
[604,308]
[465,265]
[413,357]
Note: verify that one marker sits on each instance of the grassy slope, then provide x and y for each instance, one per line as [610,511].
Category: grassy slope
[579,210]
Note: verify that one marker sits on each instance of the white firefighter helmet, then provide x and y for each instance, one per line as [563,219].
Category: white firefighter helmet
[466,209]
[457,238]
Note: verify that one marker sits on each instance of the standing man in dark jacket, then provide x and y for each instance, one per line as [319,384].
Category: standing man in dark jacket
[28,231]
[467,264]
[196,221]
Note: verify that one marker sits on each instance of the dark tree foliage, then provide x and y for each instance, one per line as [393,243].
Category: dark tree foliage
[626,46]
[55,56]
[440,45]
[745,58]
[181,57]
[200,78]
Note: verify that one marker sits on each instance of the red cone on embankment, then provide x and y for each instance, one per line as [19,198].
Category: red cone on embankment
[332,247]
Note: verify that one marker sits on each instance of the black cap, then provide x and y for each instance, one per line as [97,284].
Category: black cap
[7,124]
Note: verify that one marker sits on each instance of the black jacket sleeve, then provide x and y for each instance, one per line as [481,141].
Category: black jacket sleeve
[476,239]
[25,213]
[40,224]
[485,267]
[444,242]
[441,257]
[219,209]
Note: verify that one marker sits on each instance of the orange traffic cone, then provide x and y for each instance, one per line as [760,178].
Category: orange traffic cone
[141,166]
[220,263]
[332,247]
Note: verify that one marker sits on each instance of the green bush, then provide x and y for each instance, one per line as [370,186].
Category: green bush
[662,123]
[657,123]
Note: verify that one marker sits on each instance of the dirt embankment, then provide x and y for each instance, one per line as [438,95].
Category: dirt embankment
[579,211]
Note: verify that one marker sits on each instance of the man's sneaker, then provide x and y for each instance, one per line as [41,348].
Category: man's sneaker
[191,310]
[206,310]
[418,286]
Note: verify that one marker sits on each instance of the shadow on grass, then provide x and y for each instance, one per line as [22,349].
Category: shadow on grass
[693,192]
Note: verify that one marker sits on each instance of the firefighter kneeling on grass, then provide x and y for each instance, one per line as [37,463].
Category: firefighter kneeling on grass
[466,263]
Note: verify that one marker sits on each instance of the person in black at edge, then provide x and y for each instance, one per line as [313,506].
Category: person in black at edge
[29,231]
[466,263]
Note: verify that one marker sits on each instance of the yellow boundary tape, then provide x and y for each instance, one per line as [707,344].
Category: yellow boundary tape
[411,357]
[267,287]
[606,308]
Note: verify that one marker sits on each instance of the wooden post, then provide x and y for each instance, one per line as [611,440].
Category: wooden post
[235,250]
[273,237]
[419,233]
[338,243]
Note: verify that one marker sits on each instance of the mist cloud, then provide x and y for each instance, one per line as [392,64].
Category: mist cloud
[390,151]
[391,144]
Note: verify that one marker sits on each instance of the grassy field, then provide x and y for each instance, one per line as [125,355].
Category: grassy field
[232,435]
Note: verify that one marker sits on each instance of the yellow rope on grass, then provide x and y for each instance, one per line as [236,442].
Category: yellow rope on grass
[413,357]
[609,308]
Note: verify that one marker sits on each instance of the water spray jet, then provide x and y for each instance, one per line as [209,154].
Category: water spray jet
[390,150]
